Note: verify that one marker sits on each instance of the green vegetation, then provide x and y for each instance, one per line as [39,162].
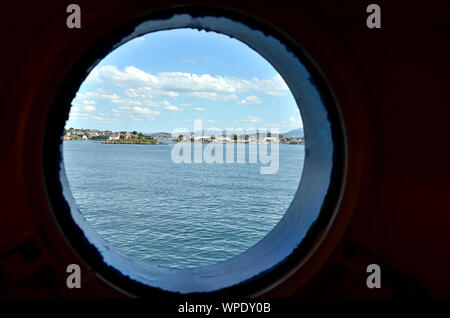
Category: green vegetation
[136,140]
[76,137]
[100,137]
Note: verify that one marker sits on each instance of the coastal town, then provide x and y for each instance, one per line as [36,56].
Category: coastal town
[134,137]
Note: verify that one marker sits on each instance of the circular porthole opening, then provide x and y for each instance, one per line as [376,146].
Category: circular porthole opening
[225,204]
[212,180]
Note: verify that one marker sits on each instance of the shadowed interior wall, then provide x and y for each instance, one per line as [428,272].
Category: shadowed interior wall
[391,85]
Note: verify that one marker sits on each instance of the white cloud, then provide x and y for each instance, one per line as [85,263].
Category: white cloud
[179,82]
[137,97]
[151,103]
[131,92]
[145,111]
[134,113]
[101,119]
[98,94]
[149,92]
[89,116]
[250,100]
[213,96]
[252,120]
[173,108]
[274,93]
[93,76]
[89,108]
[295,121]
[205,121]
[126,101]
[137,92]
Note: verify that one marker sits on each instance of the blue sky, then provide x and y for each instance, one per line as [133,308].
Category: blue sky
[165,80]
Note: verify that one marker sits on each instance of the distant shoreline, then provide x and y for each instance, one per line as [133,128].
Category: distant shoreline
[133,142]
[114,142]
[134,137]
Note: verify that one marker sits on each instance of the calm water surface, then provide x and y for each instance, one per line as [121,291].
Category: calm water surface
[178,215]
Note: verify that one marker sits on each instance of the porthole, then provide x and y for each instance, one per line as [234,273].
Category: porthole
[292,239]
[211,180]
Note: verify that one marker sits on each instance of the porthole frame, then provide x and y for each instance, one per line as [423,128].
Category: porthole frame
[216,278]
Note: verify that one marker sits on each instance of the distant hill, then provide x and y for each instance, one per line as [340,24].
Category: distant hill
[161,134]
[209,132]
[294,133]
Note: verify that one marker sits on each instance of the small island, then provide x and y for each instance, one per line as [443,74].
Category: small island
[134,139]
[109,137]
[139,141]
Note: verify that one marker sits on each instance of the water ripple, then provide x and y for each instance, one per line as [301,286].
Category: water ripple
[177,215]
